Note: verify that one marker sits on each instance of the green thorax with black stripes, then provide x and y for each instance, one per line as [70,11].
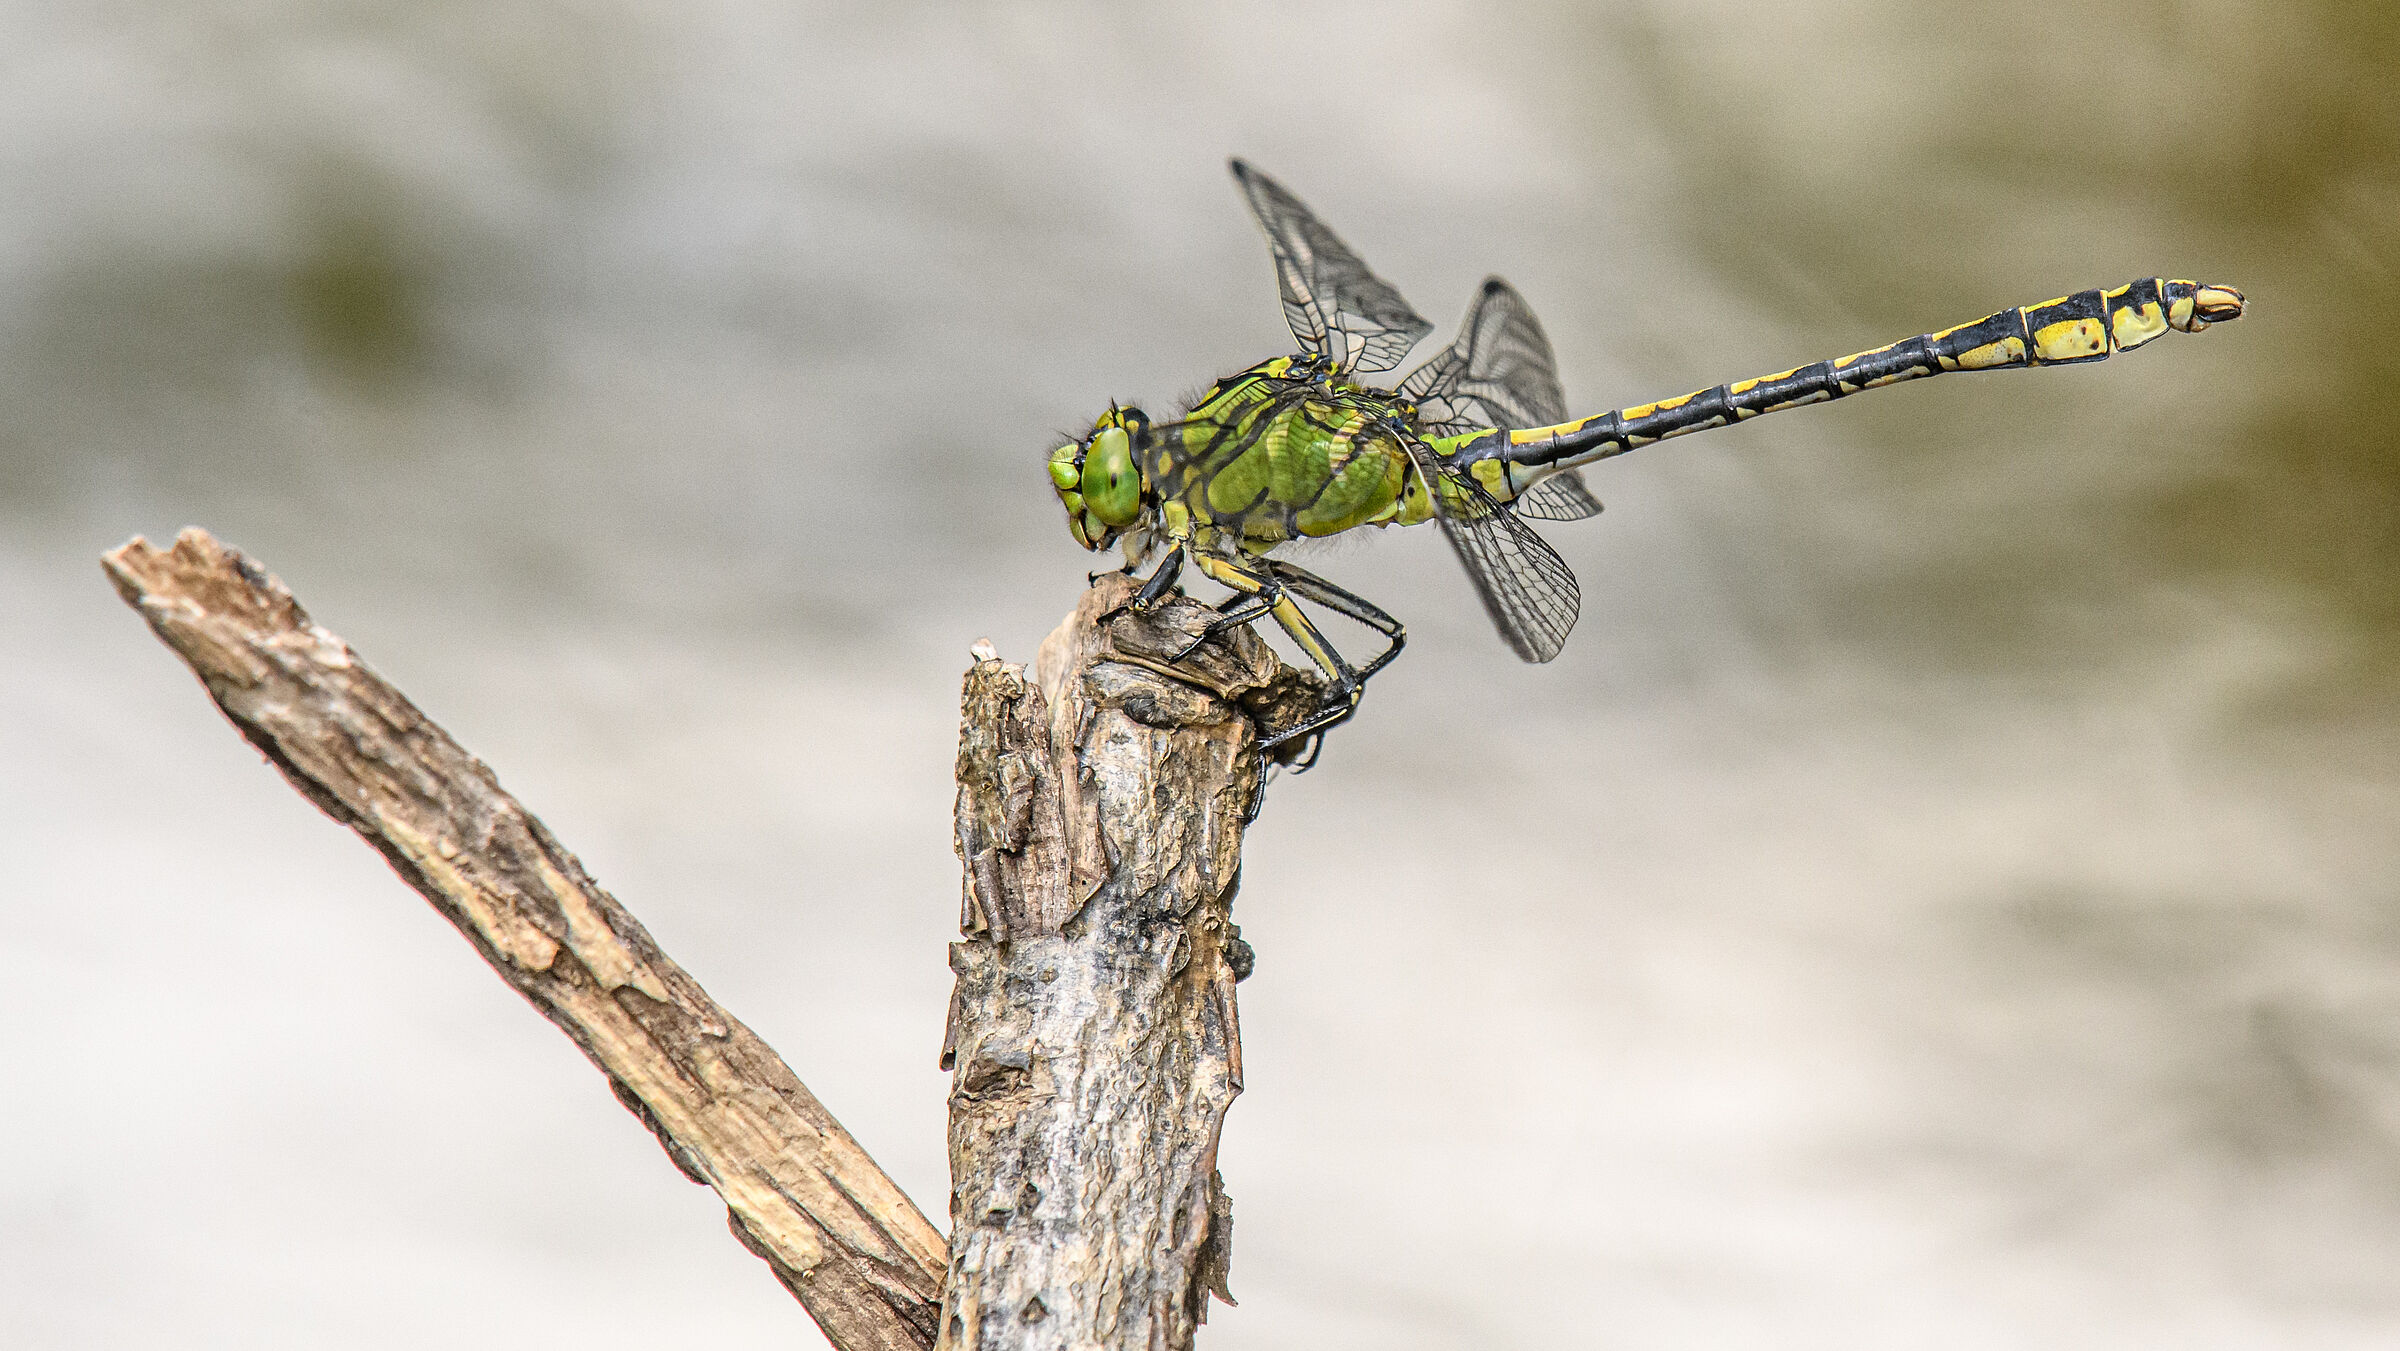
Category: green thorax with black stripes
[1289,449]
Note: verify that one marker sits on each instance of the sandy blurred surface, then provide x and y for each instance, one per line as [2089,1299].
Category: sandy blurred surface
[1942,896]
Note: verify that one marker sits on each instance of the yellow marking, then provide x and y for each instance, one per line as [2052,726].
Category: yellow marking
[2211,300]
[1667,405]
[2009,351]
[1305,634]
[1178,518]
[1285,612]
[1492,474]
[2069,339]
[1895,377]
[2179,313]
[2134,325]
[1278,366]
[1526,436]
[1813,396]
[1639,411]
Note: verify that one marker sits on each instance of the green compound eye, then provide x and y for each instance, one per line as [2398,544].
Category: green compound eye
[1112,490]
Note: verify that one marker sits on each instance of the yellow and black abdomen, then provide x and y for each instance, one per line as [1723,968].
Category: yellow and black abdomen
[2086,326]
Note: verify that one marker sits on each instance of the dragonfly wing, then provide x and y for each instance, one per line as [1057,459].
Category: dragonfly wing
[1501,373]
[1560,497]
[1526,588]
[1335,305]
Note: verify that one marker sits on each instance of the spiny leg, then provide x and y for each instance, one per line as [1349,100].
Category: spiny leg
[1258,580]
[1235,612]
[1310,586]
[1244,607]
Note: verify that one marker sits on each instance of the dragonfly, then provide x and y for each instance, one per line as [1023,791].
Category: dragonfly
[1476,439]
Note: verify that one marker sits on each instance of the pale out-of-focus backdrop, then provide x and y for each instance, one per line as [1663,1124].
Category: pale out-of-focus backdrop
[1945,895]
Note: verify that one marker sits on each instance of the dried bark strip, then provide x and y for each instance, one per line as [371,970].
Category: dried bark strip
[799,1191]
[1093,1036]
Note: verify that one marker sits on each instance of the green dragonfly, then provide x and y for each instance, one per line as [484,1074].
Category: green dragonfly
[1477,439]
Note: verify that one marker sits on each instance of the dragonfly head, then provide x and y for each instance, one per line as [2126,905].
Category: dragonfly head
[1099,478]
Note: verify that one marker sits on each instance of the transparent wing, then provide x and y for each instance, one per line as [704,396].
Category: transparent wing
[1501,373]
[1560,497]
[1334,304]
[1526,588]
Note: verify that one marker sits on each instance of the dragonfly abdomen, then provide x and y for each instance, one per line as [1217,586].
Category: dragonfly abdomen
[2087,326]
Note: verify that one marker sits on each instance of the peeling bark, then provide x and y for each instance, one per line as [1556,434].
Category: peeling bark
[800,1193]
[1093,1038]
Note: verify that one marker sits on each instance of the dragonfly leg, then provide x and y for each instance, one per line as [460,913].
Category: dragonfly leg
[1309,586]
[1239,609]
[1258,581]
[1161,581]
[1330,714]
[1156,586]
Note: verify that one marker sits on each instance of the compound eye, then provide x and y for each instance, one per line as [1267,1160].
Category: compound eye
[1112,487]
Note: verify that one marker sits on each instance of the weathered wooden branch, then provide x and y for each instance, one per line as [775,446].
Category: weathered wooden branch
[799,1191]
[1093,1038]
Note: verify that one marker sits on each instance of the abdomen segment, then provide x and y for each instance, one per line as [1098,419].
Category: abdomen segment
[2086,326]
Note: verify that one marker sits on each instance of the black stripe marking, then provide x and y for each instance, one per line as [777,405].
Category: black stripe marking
[1984,332]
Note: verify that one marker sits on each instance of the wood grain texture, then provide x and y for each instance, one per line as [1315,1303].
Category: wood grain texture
[800,1192]
[1093,1037]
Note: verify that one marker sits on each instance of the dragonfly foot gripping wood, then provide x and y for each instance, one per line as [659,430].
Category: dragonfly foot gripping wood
[1093,1039]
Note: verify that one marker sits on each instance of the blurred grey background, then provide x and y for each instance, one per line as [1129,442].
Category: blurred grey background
[1944,895]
